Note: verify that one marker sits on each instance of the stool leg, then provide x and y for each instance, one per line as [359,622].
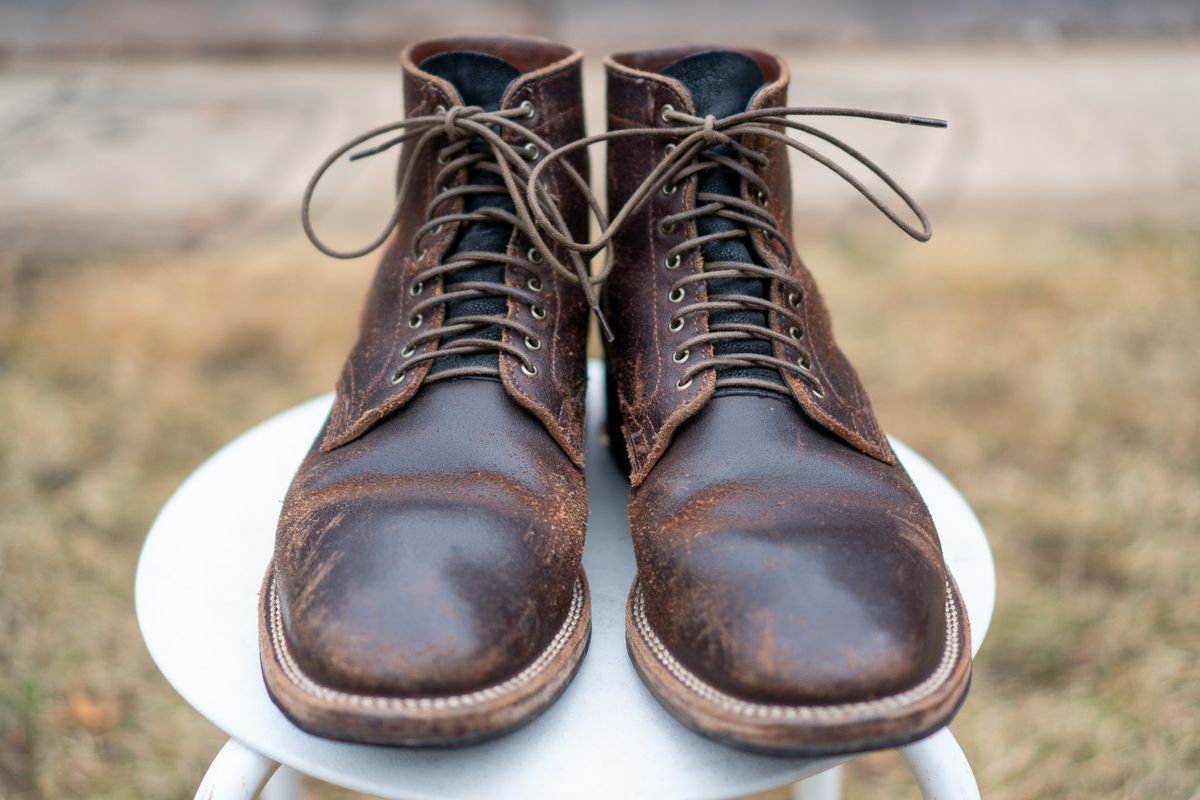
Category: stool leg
[825,785]
[941,768]
[286,784]
[237,773]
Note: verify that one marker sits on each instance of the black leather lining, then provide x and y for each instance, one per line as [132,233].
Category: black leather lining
[722,83]
[481,80]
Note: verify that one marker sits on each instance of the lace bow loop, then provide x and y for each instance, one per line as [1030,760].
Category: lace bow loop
[458,127]
[691,135]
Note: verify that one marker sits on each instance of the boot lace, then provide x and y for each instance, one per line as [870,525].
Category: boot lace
[695,144]
[469,138]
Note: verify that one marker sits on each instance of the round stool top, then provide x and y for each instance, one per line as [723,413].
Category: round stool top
[197,592]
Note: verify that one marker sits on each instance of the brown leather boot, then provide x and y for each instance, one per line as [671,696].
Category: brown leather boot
[791,594]
[427,585]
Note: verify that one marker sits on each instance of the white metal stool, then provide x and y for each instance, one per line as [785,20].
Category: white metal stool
[606,737]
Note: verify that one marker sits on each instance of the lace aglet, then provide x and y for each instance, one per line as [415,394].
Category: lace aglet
[605,330]
[928,122]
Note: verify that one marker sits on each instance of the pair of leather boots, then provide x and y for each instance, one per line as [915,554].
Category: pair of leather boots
[427,585]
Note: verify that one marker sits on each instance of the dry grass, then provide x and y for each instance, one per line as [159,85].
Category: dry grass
[117,379]
[1050,371]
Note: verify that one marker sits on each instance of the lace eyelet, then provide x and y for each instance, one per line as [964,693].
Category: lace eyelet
[675,325]
[804,362]
[533,344]
[666,230]
[534,284]
[534,255]
[439,109]
[681,385]
[443,159]
[398,376]
[531,150]
[527,107]
[669,148]
[670,188]
[416,289]
[673,262]
[538,312]
[681,356]
[816,391]
[415,321]
[408,350]
[676,295]
[529,372]
[761,197]
[666,109]
[795,333]
[794,299]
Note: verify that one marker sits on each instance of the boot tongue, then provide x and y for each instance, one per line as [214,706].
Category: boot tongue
[481,80]
[722,83]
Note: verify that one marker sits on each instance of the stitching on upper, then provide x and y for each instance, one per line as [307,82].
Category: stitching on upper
[448,702]
[815,713]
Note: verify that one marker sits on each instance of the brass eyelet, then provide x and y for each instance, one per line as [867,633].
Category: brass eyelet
[681,385]
[675,325]
[398,376]
[673,262]
[534,284]
[408,350]
[533,344]
[538,312]
[531,149]
[529,372]
[416,289]
[794,299]
[666,109]
[534,255]
[415,321]
[676,295]
[527,107]
[679,357]
[795,333]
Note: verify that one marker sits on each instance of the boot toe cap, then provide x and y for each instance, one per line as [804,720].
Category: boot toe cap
[421,601]
[809,619]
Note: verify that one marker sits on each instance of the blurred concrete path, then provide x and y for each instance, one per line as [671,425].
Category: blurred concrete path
[303,27]
[149,154]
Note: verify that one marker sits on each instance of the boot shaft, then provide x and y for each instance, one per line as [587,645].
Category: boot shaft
[542,370]
[656,274]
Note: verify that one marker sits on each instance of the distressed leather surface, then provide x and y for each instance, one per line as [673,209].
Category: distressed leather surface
[783,566]
[556,394]
[365,392]
[435,554]
[431,540]
[784,554]
[652,408]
